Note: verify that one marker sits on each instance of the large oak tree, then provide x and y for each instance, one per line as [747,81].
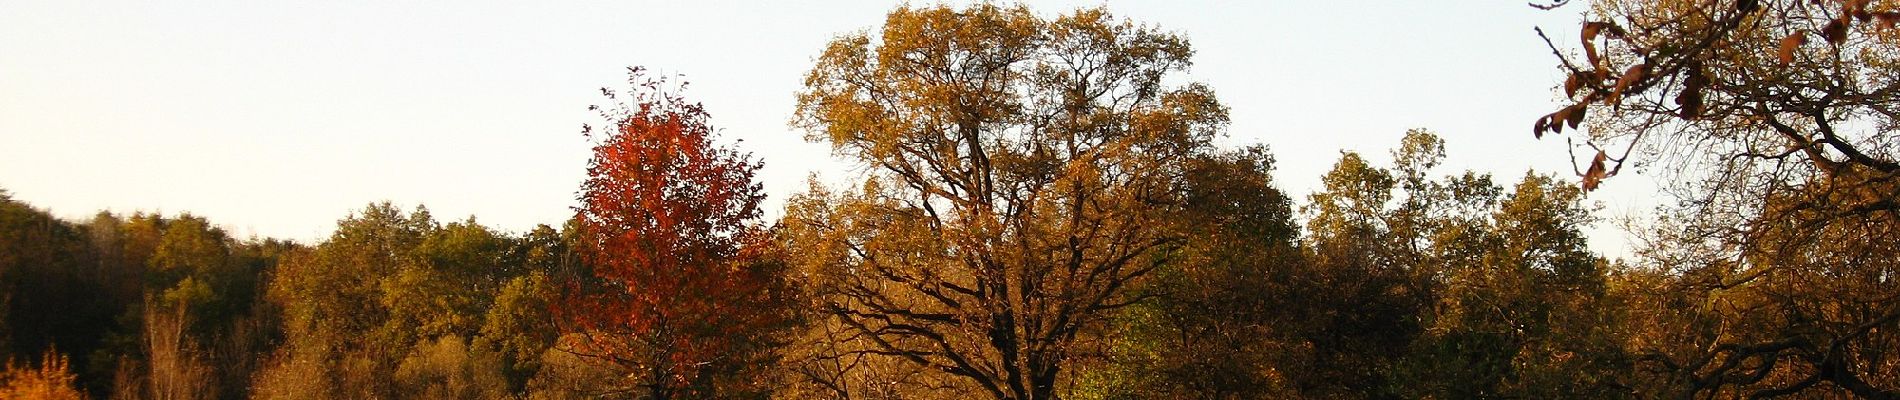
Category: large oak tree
[1024,176]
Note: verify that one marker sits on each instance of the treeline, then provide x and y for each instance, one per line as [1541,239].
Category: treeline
[1041,213]
[151,306]
[1408,285]
[119,295]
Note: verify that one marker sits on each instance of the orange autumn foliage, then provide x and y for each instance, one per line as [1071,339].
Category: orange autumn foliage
[53,379]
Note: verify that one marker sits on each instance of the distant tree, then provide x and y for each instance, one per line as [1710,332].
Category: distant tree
[1522,309]
[51,295]
[334,308]
[447,285]
[1212,330]
[449,368]
[1422,286]
[1362,300]
[520,326]
[396,305]
[177,366]
[684,296]
[192,267]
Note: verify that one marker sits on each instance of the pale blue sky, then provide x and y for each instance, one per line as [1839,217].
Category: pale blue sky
[278,118]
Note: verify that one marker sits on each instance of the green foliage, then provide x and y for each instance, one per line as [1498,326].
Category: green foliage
[1412,285]
[451,310]
[520,326]
[188,293]
[1207,332]
[449,368]
[51,291]
[333,297]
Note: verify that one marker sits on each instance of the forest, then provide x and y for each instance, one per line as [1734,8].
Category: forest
[1041,211]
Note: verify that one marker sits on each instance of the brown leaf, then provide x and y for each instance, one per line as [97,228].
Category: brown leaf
[1575,117]
[1691,102]
[1691,97]
[1836,31]
[1791,44]
[1630,78]
[1888,19]
[1590,53]
[1557,120]
[1590,32]
[1595,174]
[1543,123]
[1572,84]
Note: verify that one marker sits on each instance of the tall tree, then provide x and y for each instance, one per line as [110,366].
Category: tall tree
[1363,302]
[1213,329]
[684,295]
[1025,177]
[336,306]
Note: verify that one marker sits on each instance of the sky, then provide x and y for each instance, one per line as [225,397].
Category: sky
[278,118]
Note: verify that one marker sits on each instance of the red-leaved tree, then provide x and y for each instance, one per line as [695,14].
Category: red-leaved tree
[685,296]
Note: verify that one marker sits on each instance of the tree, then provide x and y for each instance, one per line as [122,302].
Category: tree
[53,379]
[684,295]
[177,366]
[1024,178]
[192,267]
[1211,330]
[1363,302]
[335,308]
[448,284]
[520,325]
[1522,309]
[1796,304]
[1425,286]
[391,289]
[48,286]
[448,368]
[1781,114]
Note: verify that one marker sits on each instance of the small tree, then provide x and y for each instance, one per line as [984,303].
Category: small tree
[682,296]
[52,380]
